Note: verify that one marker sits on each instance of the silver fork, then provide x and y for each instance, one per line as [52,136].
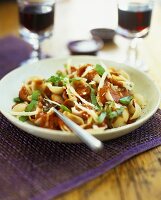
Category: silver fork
[92,142]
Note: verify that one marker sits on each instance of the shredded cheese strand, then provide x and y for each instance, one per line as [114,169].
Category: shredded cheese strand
[90,112]
[101,83]
[88,69]
[54,102]
[78,96]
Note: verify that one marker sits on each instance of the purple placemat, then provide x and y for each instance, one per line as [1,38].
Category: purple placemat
[37,169]
[13,51]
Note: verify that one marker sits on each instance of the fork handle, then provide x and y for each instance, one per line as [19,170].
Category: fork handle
[92,142]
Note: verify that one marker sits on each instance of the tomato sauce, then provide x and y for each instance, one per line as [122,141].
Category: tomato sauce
[116,95]
[82,89]
[102,94]
[81,70]
[90,76]
[47,92]
[23,93]
[85,115]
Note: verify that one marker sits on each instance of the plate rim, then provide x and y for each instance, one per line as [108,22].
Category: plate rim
[51,132]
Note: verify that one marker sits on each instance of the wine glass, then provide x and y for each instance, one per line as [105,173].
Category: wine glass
[134,18]
[36,20]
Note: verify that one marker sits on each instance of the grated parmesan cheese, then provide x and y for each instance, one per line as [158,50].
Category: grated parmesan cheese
[90,112]
[101,84]
[53,102]
[72,90]
[88,69]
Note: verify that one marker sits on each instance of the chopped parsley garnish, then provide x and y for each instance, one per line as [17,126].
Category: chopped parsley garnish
[23,118]
[55,79]
[60,73]
[31,106]
[120,110]
[17,100]
[126,100]
[99,69]
[93,98]
[110,105]
[64,108]
[116,113]
[58,79]
[35,95]
[101,117]
[112,114]
[75,79]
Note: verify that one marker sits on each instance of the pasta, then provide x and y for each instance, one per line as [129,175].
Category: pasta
[92,96]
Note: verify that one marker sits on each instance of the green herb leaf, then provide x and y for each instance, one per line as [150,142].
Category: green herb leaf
[17,100]
[64,108]
[75,79]
[126,100]
[93,97]
[54,79]
[35,95]
[99,69]
[101,117]
[120,110]
[109,106]
[60,74]
[31,106]
[116,113]
[23,118]
[58,79]
[112,115]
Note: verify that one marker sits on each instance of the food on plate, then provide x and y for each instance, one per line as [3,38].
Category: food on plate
[93,96]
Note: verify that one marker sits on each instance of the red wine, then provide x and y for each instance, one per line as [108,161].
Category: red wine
[37,18]
[134,19]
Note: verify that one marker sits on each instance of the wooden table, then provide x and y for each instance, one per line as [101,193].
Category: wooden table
[140,177]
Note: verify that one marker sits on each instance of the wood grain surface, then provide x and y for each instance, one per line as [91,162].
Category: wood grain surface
[140,177]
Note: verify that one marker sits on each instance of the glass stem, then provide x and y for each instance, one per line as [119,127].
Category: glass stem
[39,50]
[132,54]
[36,43]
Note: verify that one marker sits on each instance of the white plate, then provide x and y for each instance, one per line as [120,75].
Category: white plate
[11,83]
